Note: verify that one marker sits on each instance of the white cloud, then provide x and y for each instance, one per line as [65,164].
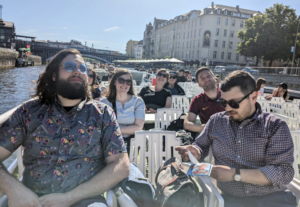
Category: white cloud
[111,29]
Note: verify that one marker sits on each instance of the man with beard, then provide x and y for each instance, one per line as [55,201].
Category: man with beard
[253,150]
[205,104]
[73,147]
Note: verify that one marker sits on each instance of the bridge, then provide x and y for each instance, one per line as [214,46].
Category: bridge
[48,50]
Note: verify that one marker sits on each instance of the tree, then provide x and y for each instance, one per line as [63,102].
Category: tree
[167,57]
[269,35]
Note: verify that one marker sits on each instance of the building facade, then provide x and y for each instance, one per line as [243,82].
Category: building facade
[207,36]
[130,48]
[138,50]
[7,32]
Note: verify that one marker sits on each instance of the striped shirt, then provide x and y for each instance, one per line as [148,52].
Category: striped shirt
[263,142]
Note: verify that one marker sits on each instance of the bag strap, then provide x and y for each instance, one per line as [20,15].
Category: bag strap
[114,107]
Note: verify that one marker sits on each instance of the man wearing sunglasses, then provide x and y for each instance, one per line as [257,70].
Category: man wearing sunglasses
[253,150]
[73,147]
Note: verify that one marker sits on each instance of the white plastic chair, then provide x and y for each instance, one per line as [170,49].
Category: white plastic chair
[291,122]
[265,106]
[197,90]
[180,102]
[164,117]
[154,155]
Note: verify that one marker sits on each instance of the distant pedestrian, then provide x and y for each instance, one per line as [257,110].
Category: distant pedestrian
[260,85]
[181,77]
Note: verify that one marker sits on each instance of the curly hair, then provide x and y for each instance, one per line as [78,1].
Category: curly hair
[46,87]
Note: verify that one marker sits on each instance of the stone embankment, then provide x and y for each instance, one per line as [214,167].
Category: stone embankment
[7,58]
[36,59]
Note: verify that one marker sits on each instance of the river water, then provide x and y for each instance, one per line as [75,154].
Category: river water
[16,86]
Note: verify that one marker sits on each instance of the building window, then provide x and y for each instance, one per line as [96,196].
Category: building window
[237,57]
[200,21]
[235,14]
[222,55]
[218,20]
[184,35]
[199,32]
[192,23]
[229,56]
[225,12]
[233,22]
[215,55]
[190,44]
[199,43]
[246,15]
[198,54]
[242,24]
[189,24]
[182,55]
[217,31]
[218,11]
[230,45]
[225,32]
[195,33]
[188,34]
[186,54]
[190,54]
[216,43]
[193,55]
[187,44]
[178,45]
[226,21]
[194,44]
[232,33]
[224,44]
[183,45]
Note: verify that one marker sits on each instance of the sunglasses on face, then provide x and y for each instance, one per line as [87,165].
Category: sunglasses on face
[70,66]
[122,81]
[91,76]
[173,77]
[163,75]
[235,105]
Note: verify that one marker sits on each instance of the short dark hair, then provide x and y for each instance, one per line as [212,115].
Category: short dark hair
[259,82]
[200,70]
[244,80]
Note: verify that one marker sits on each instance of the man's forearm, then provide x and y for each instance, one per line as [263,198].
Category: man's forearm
[7,181]
[194,127]
[103,181]
[254,176]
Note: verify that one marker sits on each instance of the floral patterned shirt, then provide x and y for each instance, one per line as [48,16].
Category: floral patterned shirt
[62,149]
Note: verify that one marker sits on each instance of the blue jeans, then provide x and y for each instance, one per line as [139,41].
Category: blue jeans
[277,199]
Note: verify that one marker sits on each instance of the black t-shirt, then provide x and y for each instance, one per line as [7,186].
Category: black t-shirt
[151,97]
[181,79]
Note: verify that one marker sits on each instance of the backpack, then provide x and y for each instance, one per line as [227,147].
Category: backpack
[174,187]
[138,187]
[185,137]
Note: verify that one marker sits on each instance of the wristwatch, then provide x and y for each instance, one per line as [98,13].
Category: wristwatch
[237,176]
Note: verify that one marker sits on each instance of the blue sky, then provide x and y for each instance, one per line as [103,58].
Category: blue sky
[105,23]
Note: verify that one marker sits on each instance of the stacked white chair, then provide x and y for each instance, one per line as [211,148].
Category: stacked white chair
[265,106]
[180,102]
[291,122]
[164,117]
[277,105]
[197,90]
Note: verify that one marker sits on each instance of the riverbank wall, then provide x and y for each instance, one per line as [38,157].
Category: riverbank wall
[7,58]
[36,59]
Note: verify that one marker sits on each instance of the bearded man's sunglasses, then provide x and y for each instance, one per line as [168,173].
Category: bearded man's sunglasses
[163,75]
[232,104]
[70,66]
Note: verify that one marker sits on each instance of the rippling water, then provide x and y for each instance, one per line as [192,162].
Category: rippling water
[16,86]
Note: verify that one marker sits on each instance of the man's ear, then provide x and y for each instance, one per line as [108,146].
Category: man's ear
[53,76]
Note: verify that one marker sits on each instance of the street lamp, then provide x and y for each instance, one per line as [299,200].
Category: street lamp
[296,41]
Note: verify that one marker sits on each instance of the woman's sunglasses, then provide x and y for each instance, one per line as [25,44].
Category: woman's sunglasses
[173,77]
[163,75]
[232,104]
[70,66]
[91,76]
[122,81]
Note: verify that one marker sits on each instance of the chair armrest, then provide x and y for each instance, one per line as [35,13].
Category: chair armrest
[212,197]
[111,199]
[294,186]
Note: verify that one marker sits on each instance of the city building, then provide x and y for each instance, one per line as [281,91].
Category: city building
[130,48]
[202,37]
[138,50]
[7,32]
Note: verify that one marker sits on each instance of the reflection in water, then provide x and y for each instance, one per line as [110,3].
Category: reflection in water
[16,86]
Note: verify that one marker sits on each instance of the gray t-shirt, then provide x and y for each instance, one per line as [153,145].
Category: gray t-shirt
[135,108]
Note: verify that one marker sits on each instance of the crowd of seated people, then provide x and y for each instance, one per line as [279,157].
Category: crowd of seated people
[243,139]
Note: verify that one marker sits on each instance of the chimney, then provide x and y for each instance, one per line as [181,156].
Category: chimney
[238,8]
[212,5]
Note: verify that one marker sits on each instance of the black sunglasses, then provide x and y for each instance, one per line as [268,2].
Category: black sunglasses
[122,81]
[232,104]
[173,76]
[91,76]
[70,66]
[163,75]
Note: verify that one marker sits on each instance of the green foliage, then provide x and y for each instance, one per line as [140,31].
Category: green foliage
[269,35]
[167,57]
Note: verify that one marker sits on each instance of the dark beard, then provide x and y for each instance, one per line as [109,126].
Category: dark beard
[72,91]
[209,87]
